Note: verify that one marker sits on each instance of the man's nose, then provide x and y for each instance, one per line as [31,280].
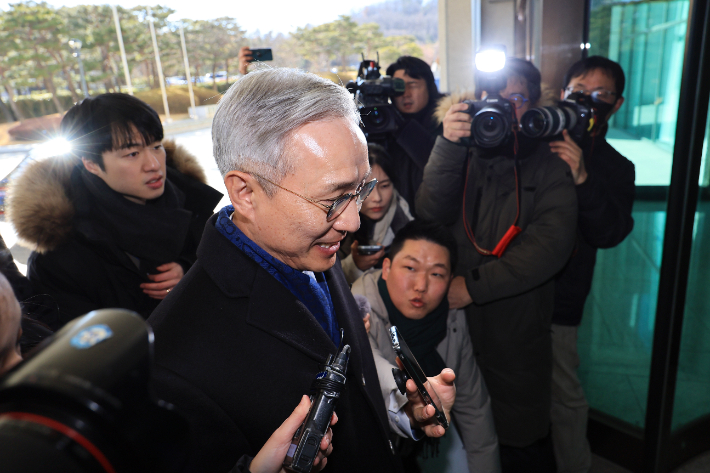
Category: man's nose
[151,162]
[420,282]
[349,219]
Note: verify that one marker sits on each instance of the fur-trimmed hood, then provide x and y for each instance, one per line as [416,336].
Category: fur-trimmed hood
[38,202]
[549,97]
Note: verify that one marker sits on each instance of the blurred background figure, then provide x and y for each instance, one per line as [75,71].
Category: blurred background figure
[383,213]
[412,143]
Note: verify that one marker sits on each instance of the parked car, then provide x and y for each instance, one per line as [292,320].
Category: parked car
[176,80]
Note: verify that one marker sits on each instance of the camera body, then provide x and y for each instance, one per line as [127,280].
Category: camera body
[493,120]
[373,94]
[575,114]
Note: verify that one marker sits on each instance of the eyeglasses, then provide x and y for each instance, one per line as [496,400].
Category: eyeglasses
[518,100]
[339,203]
[599,95]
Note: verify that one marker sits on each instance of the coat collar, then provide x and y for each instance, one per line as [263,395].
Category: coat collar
[272,307]
[276,311]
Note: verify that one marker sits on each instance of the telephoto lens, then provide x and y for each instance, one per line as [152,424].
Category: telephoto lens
[543,122]
[574,114]
[325,392]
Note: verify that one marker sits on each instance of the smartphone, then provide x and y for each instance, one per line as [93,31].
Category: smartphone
[263,54]
[367,250]
[413,371]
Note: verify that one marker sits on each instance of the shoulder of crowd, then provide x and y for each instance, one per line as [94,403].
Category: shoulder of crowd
[38,203]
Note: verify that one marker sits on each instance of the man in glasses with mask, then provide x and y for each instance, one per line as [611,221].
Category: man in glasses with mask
[604,181]
[242,338]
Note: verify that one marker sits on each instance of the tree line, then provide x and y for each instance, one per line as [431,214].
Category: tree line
[35,53]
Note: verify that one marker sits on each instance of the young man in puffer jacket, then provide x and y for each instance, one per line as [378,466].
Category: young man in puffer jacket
[115,222]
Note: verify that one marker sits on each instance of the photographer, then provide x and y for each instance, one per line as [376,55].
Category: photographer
[412,143]
[517,201]
[604,183]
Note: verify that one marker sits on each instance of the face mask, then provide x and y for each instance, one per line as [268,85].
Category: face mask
[602,110]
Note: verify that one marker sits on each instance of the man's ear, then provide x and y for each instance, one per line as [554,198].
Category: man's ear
[240,187]
[386,265]
[562,94]
[91,166]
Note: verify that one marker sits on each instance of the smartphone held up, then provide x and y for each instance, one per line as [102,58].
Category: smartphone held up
[412,370]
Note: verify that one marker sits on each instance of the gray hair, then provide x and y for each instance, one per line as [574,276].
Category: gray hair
[256,116]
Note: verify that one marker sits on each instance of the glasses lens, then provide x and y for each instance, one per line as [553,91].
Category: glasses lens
[342,202]
[602,96]
[365,191]
[517,100]
[338,206]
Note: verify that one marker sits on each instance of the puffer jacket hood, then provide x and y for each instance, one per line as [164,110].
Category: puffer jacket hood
[39,205]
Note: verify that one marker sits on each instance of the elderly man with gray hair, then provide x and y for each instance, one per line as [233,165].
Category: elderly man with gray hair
[242,337]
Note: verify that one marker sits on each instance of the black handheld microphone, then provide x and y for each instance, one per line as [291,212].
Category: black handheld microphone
[325,393]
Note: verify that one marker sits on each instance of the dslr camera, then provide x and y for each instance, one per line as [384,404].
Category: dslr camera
[373,93]
[493,120]
[576,114]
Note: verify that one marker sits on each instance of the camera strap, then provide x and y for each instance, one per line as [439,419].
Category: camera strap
[514,229]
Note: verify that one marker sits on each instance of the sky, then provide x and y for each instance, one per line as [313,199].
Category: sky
[279,16]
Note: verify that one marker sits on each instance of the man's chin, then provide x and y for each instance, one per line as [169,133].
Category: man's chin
[318,264]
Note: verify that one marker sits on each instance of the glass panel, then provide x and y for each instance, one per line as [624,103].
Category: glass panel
[648,40]
[692,396]
[616,336]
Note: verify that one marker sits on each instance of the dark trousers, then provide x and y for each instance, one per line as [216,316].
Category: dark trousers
[538,457]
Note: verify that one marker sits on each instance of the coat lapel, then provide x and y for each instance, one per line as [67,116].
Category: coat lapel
[276,311]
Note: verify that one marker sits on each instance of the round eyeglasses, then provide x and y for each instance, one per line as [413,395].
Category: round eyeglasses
[339,203]
[518,100]
[598,95]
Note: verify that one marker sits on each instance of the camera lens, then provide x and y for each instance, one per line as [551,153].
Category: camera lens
[535,122]
[376,117]
[489,128]
[543,122]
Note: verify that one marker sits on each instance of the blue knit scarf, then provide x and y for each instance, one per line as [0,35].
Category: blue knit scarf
[308,287]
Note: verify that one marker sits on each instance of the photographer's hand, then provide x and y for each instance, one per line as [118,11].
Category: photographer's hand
[572,154]
[245,58]
[272,454]
[421,414]
[458,293]
[365,262]
[457,123]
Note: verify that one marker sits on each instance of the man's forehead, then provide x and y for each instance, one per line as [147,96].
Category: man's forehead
[517,85]
[419,250]
[335,149]
[599,74]
[125,141]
